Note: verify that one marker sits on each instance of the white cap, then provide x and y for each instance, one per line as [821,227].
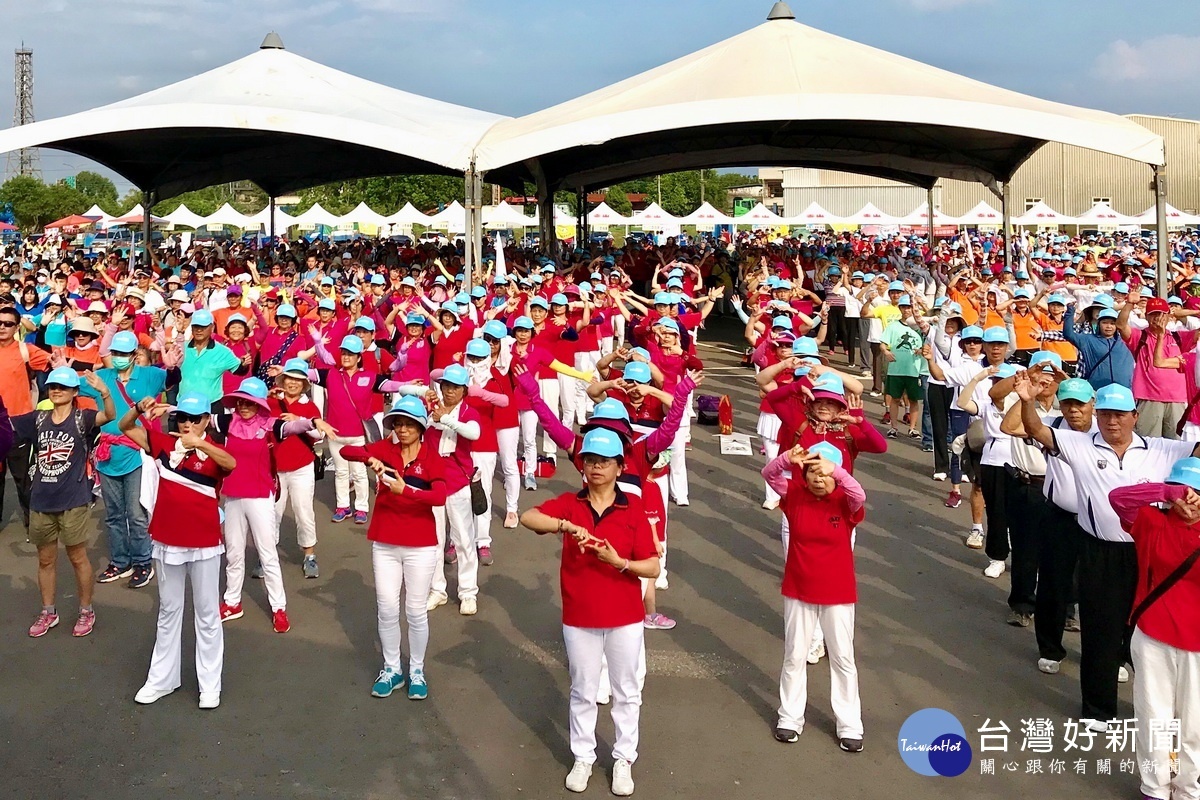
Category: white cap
[180,295]
[219,271]
[243,278]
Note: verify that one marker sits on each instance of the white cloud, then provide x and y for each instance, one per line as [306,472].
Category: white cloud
[1168,59]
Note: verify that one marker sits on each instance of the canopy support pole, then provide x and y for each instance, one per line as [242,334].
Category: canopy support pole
[271,229]
[1159,185]
[1006,222]
[476,223]
[929,203]
[147,216]
[581,212]
[471,255]
[545,201]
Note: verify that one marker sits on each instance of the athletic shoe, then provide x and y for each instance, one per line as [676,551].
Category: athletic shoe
[360,518]
[887,418]
[994,569]
[926,448]
[892,433]
[912,434]
[1097,725]
[113,573]
[42,625]
[786,735]
[906,418]
[816,652]
[388,681]
[866,373]
[417,690]
[974,538]
[310,568]
[451,554]
[530,482]
[209,700]
[622,779]
[658,622]
[340,514]
[257,573]
[85,623]
[682,503]
[954,501]
[511,519]
[1072,625]
[1019,619]
[939,476]
[435,599]
[660,583]
[1123,674]
[230,613]
[141,577]
[874,393]
[485,556]
[467,607]
[280,622]
[770,505]
[851,745]
[1048,666]
[577,778]
[147,695]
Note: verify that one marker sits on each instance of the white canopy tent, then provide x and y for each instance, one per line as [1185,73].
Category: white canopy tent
[654,217]
[228,215]
[136,211]
[363,214]
[503,216]
[604,215]
[316,215]
[1102,215]
[919,217]
[759,215]
[97,213]
[706,216]
[982,215]
[452,218]
[279,220]
[1043,216]
[1175,217]
[184,217]
[407,216]
[870,215]
[815,214]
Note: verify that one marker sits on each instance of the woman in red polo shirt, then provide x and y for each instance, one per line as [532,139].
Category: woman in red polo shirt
[610,547]
[404,540]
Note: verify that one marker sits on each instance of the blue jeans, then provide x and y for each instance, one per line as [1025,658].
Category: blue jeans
[125,520]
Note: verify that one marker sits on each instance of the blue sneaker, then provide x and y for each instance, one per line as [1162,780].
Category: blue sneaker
[341,514]
[388,681]
[417,690]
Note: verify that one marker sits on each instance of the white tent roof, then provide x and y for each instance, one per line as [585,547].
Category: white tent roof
[815,214]
[283,220]
[363,214]
[920,216]
[759,215]
[982,214]
[408,215]
[453,217]
[706,216]
[653,216]
[1042,214]
[316,215]
[228,215]
[1102,214]
[1175,217]
[870,215]
[502,216]
[185,217]
[786,94]
[604,214]
[96,212]
[272,117]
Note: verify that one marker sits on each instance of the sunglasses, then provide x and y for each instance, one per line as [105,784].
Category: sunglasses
[7,324]
[193,418]
[490,339]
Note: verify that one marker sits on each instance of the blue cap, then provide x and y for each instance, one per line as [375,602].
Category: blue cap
[253,387]
[365,323]
[123,342]
[1070,271]
[1115,397]
[675,273]
[539,302]
[896,286]
[460,277]
[1022,275]
[455,374]
[783,284]
[1045,360]
[904,300]
[352,344]
[462,299]
[499,280]
[637,371]
[782,321]
[284,310]
[1174,300]
[585,286]
[327,281]
[1186,471]
[805,346]
[827,451]
[1147,291]
[1023,294]
[834,271]
[1102,300]
[1121,288]
[953,309]
[829,382]
[327,304]
[772,282]
[668,323]
[495,328]
[193,404]
[1005,371]
[451,307]
[971,332]
[440,280]
[296,368]
[675,283]
[202,318]
[1056,298]
[995,334]
[378,280]
[63,376]
[610,408]
[857,276]
[558,299]
[408,407]
[1107,313]
[602,442]
[1195,279]
[663,299]
[478,348]
[478,292]
[413,318]
[1075,389]
[522,322]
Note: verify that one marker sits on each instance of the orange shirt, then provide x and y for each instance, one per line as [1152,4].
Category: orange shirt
[14,380]
[991,318]
[1024,326]
[970,312]
[1066,351]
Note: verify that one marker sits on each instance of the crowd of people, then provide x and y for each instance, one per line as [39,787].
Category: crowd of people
[222,380]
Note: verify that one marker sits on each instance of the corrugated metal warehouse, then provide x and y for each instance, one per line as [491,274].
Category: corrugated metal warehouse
[1068,179]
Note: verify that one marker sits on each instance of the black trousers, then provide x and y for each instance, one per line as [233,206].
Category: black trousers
[938,398]
[995,483]
[1107,584]
[17,467]
[1056,581]
[837,327]
[1028,516]
[850,337]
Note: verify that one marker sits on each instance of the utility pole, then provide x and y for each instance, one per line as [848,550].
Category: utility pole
[659,179]
[701,187]
[25,160]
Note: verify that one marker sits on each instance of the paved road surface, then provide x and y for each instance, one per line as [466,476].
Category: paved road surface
[297,719]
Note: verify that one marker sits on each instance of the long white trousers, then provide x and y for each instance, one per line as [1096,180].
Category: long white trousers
[166,660]
[253,518]
[567,400]
[299,486]
[1166,686]
[549,388]
[529,426]
[584,362]
[623,648]
[457,515]
[486,464]
[346,471]
[772,496]
[799,620]
[507,439]
[678,474]
[394,567]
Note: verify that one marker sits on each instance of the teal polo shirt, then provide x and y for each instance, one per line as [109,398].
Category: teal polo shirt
[202,370]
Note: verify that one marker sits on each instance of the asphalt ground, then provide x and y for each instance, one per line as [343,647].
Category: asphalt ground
[297,719]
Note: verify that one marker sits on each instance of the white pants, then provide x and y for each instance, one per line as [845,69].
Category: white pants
[252,518]
[394,567]
[1191,432]
[299,486]
[619,330]
[584,362]
[772,496]
[550,390]
[529,425]
[167,657]
[486,464]
[344,471]
[507,439]
[799,620]
[457,515]
[1166,686]
[607,344]
[567,400]
[623,648]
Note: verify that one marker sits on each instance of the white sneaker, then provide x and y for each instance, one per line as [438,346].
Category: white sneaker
[994,569]
[770,505]
[939,476]
[467,607]
[603,694]
[1048,666]
[816,652]
[975,540]
[1097,725]
[436,599]
[511,519]
[1123,675]
[577,778]
[622,781]
[660,583]
[147,695]
[210,700]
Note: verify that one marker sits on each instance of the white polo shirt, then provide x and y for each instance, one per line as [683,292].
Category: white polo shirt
[1060,486]
[1098,471]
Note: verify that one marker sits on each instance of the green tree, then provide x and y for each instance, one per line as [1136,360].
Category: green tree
[97,189]
[617,201]
[35,204]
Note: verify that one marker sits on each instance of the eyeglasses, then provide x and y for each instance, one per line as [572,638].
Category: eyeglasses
[193,418]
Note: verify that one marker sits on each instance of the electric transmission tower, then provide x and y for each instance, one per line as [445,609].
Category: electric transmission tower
[25,160]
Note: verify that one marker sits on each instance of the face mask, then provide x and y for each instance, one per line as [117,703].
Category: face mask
[121,362]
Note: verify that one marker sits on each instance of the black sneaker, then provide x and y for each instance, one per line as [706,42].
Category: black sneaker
[113,573]
[141,577]
[786,735]
[892,434]
[851,745]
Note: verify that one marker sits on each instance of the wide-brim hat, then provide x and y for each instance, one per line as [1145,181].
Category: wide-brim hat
[230,400]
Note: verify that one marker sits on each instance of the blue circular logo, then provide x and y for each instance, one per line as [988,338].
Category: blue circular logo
[933,742]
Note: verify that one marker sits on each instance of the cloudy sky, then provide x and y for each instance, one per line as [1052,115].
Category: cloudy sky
[518,56]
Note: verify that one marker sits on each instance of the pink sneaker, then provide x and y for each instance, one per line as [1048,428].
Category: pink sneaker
[42,625]
[85,623]
[658,622]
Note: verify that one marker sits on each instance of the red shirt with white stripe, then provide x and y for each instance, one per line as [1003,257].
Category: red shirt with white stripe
[404,519]
[186,513]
